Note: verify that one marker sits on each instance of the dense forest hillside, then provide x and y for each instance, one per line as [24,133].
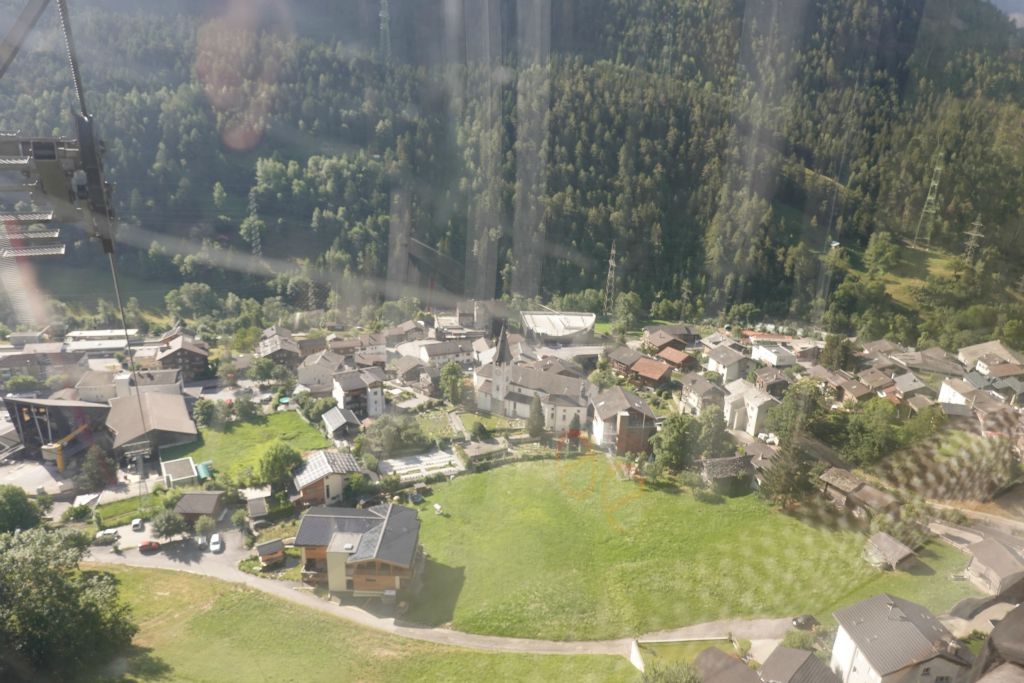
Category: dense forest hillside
[747,158]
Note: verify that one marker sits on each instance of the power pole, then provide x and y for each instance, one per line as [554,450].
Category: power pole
[931,204]
[974,237]
[385,32]
[1020,285]
[609,285]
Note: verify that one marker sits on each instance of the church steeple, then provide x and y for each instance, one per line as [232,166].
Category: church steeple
[503,356]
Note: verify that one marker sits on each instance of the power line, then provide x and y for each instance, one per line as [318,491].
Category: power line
[609,285]
[931,203]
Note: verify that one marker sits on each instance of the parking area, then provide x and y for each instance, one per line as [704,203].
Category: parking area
[32,475]
[412,468]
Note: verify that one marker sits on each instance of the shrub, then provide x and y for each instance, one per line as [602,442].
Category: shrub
[76,513]
[800,640]
[708,496]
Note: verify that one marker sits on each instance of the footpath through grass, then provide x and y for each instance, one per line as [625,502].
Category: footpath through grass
[244,444]
[565,550]
[199,629]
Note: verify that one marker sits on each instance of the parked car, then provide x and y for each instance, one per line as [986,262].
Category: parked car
[106,537]
[415,498]
[138,524]
[216,543]
[805,622]
[149,547]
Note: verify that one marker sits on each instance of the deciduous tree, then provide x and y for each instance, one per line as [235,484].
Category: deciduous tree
[277,464]
[17,511]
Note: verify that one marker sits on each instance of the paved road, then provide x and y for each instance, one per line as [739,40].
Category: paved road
[224,566]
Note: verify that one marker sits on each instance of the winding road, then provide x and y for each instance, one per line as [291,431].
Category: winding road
[224,566]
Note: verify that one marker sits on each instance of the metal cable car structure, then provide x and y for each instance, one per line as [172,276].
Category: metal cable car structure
[66,174]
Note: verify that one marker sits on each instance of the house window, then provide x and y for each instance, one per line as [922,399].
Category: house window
[943,679]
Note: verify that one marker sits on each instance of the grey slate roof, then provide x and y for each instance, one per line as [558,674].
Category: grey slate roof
[887,549]
[908,382]
[550,383]
[624,355]
[894,633]
[389,533]
[393,541]
[198,502]
[336,417]
[722,468]
[163,412]
[699,385]
[789,665]
[257,507]
[844,480]
[321,463]
[270,547]
[1000,559]
[615,400]
[716,666]
[725,355]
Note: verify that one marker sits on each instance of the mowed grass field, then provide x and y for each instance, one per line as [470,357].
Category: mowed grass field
[245,442]
[565,550]
[199,629]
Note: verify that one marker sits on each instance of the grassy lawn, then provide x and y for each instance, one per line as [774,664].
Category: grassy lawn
[123,511]
[243,445]
[198,629]
[490,421]
[435,425]
[667,653]
[565,550]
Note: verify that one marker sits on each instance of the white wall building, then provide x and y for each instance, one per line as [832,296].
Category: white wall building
[886,639]
[773,355]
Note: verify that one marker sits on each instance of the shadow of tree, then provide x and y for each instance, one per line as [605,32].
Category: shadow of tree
[435,606]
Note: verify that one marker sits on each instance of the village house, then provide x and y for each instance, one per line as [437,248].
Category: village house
[184,354]
[316,372]
[771,380]
[409,330]
[746,407]
[716,666]
[320,479]
[886,639]
[340,423]
[648,372]
[728,362]
[281,350]
[790,665]
[697,393]
[659,340]
[969,355]
[876,380]
[372,552]
[687,335]
[774,355]
[680,360]
[195,504]
[847,491]
[361,391]
[622,359]
[933,360]
[623,422]
[440,353]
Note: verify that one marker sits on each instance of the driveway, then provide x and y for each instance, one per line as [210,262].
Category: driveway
[224,566]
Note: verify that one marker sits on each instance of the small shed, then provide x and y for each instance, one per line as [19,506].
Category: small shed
[994,566]
[730,476]
[882,550]
[270,552]
[180,472]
